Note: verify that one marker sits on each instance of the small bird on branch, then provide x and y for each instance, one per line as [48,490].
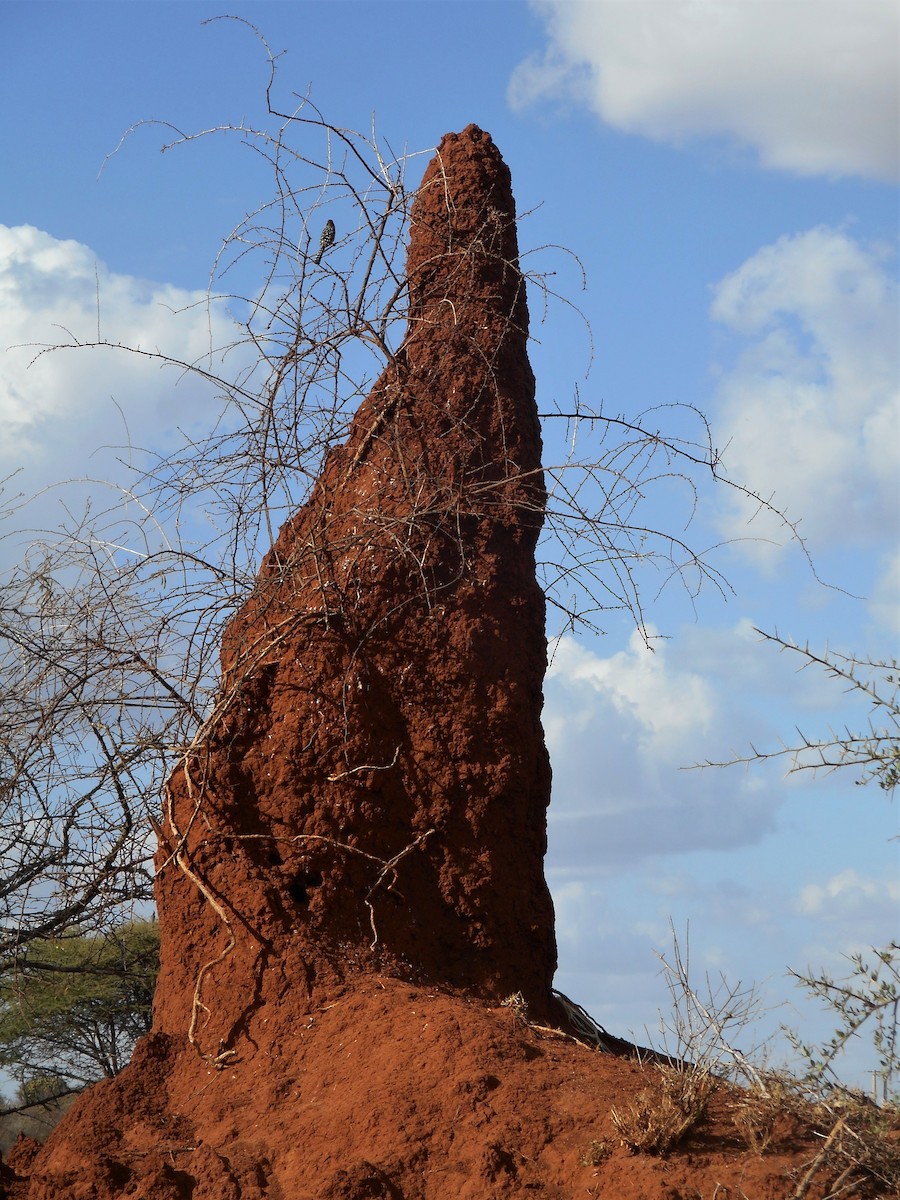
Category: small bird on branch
[326,240]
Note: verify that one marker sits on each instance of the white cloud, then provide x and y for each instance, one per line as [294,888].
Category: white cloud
[812,85]
[810,413]
[665,703]
[619,728]
[847,895]
[56,410]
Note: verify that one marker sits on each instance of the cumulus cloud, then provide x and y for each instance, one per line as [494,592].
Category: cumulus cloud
[812,87]
[848,894]
[54,410]
[622,726]
[810,412]
[638,682]
[619,728]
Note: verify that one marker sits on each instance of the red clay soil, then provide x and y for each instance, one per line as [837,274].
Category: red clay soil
[350,872]
[402,1093]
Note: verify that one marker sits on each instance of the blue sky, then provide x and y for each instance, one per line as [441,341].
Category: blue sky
[726,173]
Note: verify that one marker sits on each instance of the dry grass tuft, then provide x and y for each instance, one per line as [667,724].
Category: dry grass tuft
[659,1117]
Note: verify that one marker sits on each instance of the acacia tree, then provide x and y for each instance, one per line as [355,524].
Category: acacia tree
[73,1010]
[875,751]
[110,626]
[867,1000]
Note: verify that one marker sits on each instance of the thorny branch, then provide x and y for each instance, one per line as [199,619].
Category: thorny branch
[876,751]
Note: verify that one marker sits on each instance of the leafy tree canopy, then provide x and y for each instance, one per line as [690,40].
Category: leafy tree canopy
[78,1003]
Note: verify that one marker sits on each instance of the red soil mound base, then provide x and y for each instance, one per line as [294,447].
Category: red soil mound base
[402,1093]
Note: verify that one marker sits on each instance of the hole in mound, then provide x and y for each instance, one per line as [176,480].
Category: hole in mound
[275,859]
[304,882]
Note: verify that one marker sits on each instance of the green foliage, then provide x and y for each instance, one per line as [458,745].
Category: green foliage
[41,1088]
[867,1001]
[869,996]
[77,1004]
[873,750]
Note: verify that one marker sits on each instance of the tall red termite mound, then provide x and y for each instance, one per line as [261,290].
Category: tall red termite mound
[372,789]
[370,792]
[350,873]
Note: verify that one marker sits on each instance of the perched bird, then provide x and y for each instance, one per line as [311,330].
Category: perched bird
[326,240]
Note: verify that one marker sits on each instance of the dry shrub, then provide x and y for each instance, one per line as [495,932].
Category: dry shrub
[659,1117]
[760,1109]
[755,1122]
[859,1141]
